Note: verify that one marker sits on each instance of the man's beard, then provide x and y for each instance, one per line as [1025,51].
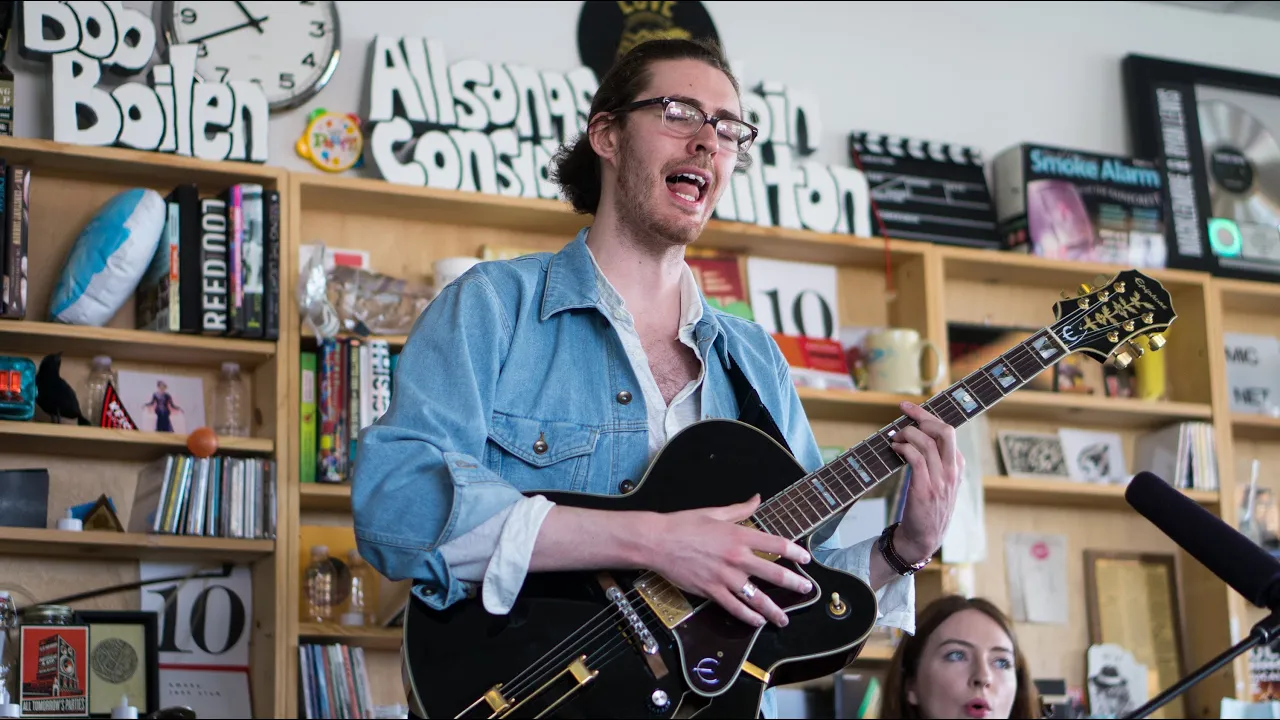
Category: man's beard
[643,225]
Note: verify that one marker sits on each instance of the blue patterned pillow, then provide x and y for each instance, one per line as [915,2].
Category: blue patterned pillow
[109,258]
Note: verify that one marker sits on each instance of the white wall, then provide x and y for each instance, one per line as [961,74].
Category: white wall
[988,74]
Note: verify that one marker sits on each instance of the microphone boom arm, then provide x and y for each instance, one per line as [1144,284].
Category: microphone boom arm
[1264,633]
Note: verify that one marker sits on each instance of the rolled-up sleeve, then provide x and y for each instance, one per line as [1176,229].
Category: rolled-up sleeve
[419,482]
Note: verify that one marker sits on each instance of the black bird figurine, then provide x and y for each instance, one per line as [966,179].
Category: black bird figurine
[55,395]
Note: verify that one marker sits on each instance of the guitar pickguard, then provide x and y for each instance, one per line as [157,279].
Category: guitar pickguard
[713,644]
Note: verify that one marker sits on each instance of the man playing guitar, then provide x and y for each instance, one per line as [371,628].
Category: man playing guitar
[569,371]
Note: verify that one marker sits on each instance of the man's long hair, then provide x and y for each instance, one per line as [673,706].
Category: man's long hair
[576,167]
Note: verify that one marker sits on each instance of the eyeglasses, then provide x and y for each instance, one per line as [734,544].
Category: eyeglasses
[686,120]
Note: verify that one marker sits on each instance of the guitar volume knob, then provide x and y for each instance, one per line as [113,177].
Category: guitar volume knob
[659,699]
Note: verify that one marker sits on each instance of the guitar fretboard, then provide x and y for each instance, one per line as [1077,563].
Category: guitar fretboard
[820,495]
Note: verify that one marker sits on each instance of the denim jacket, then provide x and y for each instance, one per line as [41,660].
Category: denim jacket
[520,353]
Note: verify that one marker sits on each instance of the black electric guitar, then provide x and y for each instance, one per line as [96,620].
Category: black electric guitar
[630,644]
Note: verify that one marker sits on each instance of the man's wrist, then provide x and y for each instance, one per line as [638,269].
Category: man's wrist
[902,559]
[908,550]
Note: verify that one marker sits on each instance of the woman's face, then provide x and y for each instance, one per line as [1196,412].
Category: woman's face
[966,670]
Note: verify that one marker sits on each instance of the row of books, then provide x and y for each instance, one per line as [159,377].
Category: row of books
[1184,454]
[346,386]
[334,682]
[218,496]
[15,193]
[216,270]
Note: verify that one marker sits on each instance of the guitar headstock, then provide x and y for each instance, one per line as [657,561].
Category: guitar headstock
[1106,318]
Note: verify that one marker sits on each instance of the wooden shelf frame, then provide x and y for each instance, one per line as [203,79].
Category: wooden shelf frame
[921,276]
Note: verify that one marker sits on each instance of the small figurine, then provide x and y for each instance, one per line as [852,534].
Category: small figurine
[55,395]
[332,141]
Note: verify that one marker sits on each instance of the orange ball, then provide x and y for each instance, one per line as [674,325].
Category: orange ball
[203,442]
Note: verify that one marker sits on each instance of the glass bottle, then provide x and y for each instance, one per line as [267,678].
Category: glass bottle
[95,388]
[362,600]
[319,587]
[229,403]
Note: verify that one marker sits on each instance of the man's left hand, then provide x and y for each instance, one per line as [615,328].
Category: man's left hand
[936,467]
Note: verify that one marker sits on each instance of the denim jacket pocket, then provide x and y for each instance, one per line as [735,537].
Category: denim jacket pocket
[543,454]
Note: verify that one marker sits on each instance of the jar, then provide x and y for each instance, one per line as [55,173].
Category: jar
[48,615]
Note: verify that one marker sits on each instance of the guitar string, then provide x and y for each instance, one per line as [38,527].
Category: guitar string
[595,631]
[805,488]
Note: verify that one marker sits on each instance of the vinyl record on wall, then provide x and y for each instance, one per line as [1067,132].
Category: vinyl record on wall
[607,30]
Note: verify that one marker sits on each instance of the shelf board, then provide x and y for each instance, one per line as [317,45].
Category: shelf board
[97,544]
[109,443]
[1090,410]
[1255,427]
[552,217]
[1248,297]
[1059,493]
[328,497]
[866,406]
[394,342]
[370,638]
[41,338]
[125,165]
[998,266]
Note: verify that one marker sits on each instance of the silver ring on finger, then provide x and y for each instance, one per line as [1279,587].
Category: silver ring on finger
[748,590]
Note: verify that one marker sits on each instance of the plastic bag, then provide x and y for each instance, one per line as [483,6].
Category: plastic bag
[314,308]
[371,303]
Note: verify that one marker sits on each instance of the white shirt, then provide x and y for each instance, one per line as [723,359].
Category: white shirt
[496,553]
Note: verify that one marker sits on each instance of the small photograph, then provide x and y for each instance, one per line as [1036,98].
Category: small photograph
[163,402]
[1094,457]
[1027,454]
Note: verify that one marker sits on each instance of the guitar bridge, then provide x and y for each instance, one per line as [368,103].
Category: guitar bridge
[647,643]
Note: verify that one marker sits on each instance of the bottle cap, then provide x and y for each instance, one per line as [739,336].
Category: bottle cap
[69,522]
[228,367]
[317,549]
[101,360]
[352,619]
[124,709]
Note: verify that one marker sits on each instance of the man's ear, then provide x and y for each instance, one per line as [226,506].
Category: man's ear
[603,134]
[911,693]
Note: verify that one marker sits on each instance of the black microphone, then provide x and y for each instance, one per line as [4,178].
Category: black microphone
[1237,560]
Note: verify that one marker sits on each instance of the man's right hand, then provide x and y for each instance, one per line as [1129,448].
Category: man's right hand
[706,552]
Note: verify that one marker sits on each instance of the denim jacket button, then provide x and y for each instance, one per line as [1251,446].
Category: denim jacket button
[626,486]
[624,397]
[540,446]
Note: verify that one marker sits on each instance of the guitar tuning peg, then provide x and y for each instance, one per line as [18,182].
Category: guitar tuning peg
[1101,280]
[1123,359]
[1084,289]
[1156,341]
[1137,349]
[1066,295]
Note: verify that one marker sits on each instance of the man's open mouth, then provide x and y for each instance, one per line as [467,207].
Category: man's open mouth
[687,185]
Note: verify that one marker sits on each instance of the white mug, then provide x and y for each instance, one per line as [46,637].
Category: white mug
[449,269]
[893,361]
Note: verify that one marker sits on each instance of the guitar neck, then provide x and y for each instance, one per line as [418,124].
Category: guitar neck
[829,490]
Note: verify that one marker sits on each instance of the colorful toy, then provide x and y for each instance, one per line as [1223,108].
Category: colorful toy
[202,442]
[332,141]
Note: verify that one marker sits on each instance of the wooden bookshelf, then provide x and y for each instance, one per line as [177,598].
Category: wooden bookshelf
[1066,493]
[406,228]
[41,338]
[69,185]
[99,544]
[86,441]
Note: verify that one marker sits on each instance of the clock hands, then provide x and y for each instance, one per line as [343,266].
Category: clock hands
[257,24]
[253,23]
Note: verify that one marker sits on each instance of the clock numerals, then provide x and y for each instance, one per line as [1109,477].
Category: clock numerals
[188,16]
[286,81]
[309,60]
[317,29]
[222,73]
[203,51]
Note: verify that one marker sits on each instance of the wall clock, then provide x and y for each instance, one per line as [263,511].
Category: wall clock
[289,48]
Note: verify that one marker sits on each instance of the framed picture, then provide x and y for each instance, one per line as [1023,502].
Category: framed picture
[53,671]
[124,660]
[1214,133]
[1132,602]
[1029,454]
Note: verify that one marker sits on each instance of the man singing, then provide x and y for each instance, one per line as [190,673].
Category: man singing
[569,371]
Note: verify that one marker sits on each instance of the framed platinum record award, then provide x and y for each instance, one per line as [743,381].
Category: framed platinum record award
[1215,133]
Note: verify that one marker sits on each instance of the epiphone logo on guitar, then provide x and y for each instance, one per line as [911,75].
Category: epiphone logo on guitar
[705,671]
